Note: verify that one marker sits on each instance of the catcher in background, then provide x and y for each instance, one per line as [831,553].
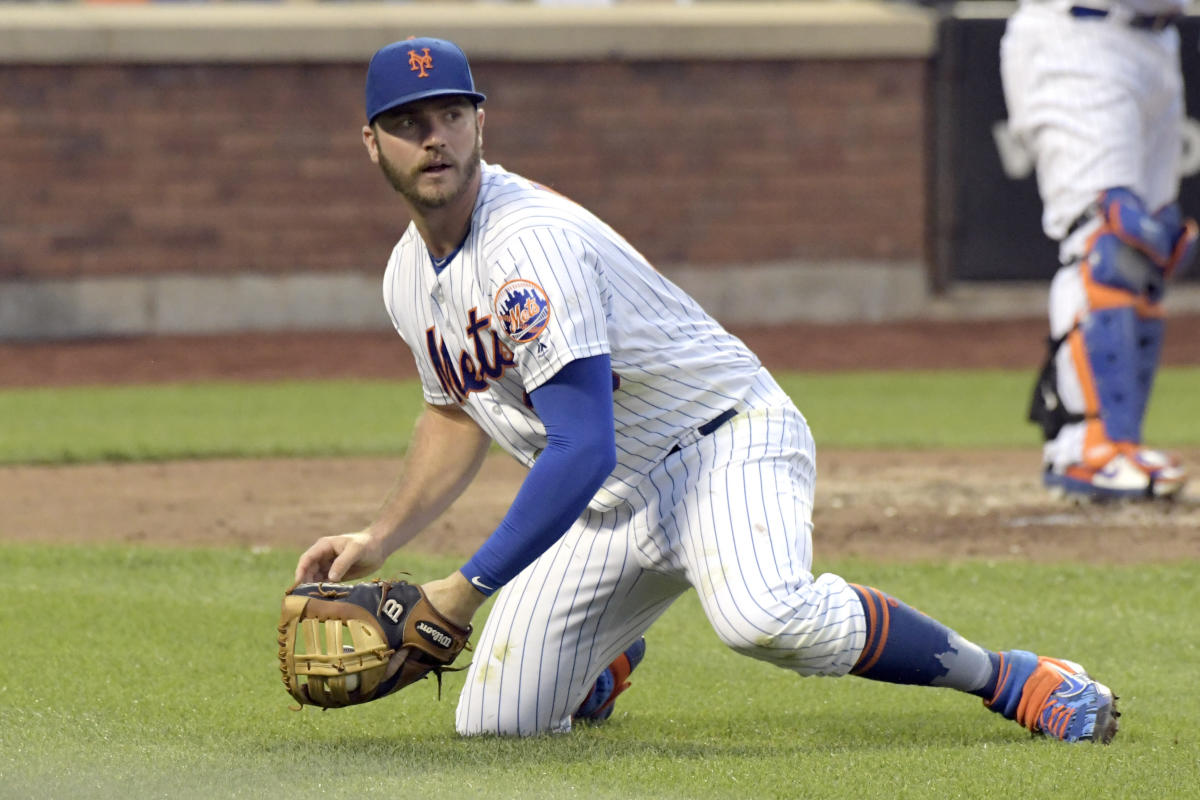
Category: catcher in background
[662,457]
[1096,93]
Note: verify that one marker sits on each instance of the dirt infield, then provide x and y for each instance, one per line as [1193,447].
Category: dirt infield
[891,505]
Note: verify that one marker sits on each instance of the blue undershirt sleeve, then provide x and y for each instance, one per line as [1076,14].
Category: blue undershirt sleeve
[576,407]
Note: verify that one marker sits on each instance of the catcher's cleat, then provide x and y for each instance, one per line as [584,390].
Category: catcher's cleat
[1136,473]
[1055,698]
[1167,475]
[615,679]
[1118,479]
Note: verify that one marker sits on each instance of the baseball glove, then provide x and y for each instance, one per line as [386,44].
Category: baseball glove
[340,645]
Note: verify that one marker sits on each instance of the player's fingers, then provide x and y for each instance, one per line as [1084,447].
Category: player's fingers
[345,560]
[313,563]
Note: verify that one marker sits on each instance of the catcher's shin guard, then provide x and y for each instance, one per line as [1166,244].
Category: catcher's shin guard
[1137,250]
[1109,375]
[1149,350]
[1183,233]
[1116,344]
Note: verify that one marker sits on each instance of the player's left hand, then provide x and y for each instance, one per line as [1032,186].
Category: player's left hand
[343,557]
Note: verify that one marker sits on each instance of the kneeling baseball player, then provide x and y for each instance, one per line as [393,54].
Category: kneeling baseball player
[662,457]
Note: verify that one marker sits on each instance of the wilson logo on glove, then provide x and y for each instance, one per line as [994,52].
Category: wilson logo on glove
[434,634]
[335,651]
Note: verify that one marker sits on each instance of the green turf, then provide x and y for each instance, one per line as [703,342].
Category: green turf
[954,409]
[960,408]
[143,672]
[139,423]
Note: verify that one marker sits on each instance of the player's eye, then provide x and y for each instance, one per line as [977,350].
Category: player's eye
[398,124]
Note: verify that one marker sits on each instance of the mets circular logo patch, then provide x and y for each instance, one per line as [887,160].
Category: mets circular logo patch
[523,310]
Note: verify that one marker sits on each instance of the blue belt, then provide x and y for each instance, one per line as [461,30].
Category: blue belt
[710,426]
[1143,22]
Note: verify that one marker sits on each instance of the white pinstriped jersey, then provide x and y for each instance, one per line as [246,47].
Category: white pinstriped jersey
[538,283]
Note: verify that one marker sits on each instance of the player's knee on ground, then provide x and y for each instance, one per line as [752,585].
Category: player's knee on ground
[816,629]
[509,722]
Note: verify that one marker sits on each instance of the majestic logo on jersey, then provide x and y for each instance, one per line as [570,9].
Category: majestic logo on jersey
[523,310]
[419,63]
[488,361]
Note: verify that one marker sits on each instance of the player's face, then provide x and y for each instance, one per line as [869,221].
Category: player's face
[429,150]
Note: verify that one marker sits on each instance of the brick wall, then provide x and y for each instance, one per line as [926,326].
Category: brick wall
[151,169]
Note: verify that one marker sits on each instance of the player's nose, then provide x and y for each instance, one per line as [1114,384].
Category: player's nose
[434,133]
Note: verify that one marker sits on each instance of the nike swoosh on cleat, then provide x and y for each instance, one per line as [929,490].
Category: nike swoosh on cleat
[1070,686]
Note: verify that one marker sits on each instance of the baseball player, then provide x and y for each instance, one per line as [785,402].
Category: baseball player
[1095,92]
[662,456]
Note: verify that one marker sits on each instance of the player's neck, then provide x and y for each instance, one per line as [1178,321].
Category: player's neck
[444,229]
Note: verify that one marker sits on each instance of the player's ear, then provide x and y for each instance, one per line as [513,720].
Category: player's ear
[479,124]
[368,136]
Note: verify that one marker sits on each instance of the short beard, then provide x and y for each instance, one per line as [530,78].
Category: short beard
[406,185]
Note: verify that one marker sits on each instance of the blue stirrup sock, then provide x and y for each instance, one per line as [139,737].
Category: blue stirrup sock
[905,646]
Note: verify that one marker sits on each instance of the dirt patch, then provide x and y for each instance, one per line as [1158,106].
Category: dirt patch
[882,505]
[890,505]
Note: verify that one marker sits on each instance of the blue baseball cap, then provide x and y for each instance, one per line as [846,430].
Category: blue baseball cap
[415,69]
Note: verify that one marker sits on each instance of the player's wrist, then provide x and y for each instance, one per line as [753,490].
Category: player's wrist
[383,538]
[454,597]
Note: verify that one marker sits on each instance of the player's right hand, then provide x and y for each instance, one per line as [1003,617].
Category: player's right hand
[338,558]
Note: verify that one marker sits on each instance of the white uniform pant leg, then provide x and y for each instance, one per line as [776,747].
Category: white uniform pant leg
[1068,305]
[736,520]
[1162,152]
[557,625]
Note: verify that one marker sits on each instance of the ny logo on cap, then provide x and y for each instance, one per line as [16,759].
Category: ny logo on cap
[420,63]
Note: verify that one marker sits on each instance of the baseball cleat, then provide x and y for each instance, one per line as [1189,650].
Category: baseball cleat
[1056,698]
[1167,475]
[612,682]
[1142,475]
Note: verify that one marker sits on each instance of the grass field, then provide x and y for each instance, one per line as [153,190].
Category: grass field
[145,672]
[152,673]
[968,408]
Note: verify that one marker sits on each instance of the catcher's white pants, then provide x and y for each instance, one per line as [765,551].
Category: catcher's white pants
[1068,304]
[731,515]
